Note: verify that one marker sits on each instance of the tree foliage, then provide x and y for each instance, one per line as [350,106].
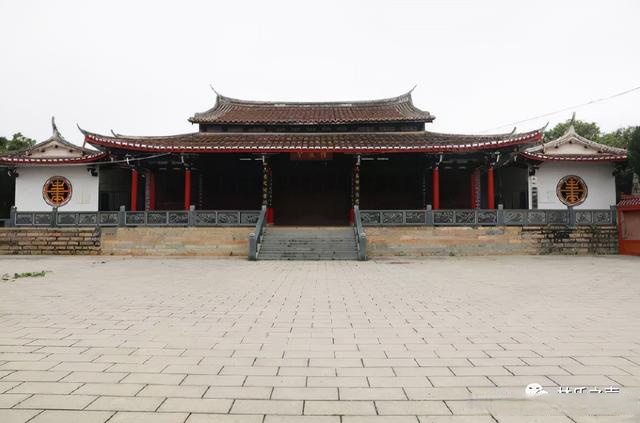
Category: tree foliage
[634,150]
[15,143]
[619,138]
[589,130]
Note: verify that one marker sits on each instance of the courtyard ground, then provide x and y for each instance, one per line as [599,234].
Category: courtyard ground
[433,340]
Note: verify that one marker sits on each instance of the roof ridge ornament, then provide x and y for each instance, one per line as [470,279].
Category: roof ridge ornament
[571,129]
[542,142]
[54,128]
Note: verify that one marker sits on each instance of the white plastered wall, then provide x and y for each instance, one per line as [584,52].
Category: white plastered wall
[598,177]
[30,182]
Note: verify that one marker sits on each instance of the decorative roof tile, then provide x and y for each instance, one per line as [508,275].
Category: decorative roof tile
[629,201]
[344,142]
[242,112]
[53,150]
[556,150]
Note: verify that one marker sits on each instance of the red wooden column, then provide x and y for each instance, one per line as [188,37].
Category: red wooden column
[134,190]
[266,189]
[355,201]
[187,188]
[152,190]
[436,189]
[491,204]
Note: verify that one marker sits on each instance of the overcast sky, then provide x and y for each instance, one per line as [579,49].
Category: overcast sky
[144,67]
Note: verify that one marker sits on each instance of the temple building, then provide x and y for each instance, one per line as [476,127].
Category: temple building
[311,163]
[572,171]
[55,173]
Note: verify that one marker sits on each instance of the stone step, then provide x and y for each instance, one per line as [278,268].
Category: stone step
[307,257]
[304,243]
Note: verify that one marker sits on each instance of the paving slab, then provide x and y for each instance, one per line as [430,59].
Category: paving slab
[431,340]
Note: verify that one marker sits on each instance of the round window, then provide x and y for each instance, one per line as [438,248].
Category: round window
[57,191]
[572,190]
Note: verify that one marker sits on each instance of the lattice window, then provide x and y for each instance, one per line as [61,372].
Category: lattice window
[572,190]
[57,191]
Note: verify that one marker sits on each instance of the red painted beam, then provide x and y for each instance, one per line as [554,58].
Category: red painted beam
[187,188]
[134,190]
[436,189]
[491,203]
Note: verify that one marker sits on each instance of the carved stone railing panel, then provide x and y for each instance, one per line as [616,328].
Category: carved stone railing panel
[536,217]
[584,217]
[443,217]
[178,218]
[67,219]
[492,217]
[205,218]
[370,217]
[515,217]
[135,218]
[602,217]
[465,217]
[228,218]
[413,217]
[557,217]
[24,219]
[249,218]
[42,219]
[487,217]
[108,219]
[393,217]
[156,218]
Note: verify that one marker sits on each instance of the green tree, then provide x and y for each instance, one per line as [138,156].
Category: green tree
[589,130]
[620,138]
[17,142]
[634,153]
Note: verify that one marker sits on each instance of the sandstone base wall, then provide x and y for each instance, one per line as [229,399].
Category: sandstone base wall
[140,241]
[382,241]
[472,241]
[66,241]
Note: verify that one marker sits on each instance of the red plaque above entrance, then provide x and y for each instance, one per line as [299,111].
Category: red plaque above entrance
[320,155]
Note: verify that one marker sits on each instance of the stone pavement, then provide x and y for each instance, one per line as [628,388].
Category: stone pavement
[434,340]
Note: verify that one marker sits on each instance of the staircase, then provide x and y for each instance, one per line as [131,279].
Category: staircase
[308,243]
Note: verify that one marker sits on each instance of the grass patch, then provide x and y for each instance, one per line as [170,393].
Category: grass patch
[8,277]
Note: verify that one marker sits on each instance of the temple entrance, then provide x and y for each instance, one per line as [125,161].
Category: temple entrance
[307,191]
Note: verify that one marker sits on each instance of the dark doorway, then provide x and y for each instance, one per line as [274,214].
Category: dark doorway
[388,183]
[455,190]
[311,192]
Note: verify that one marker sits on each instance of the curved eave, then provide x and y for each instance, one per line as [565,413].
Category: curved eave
[287,143]
[14,161]
[575,158]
